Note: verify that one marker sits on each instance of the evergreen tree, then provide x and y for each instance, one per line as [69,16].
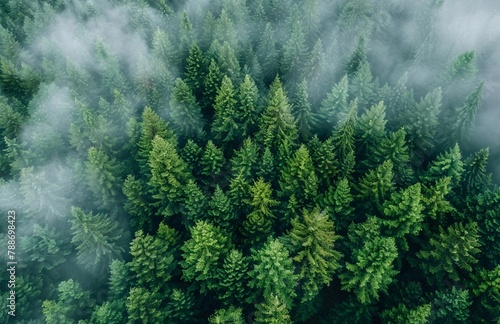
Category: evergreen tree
[298,178]
[233,278]
[191,153]
[267,167]
[451,306]
[362,86]
[434,198]
[194,205]
[338,204]
[334,104]
[273,273]
[451,250]
[154,257]
[211,84]
[267,53]
[97,238]
[245,159]
[144,305]
[138,203]
[168,175]
[221,210]
[180,307]
[259,222]
[312,241]
[212,162]
[272,310]
[247,110]
[371,269]
[185,113]
[228,315]
[203,254]
[466,115]
[224,127]
[343,137]
[377,185]
[294,56]
[358,57]
[304,117]
[195,70]
[371,127]
[475,177]
[446,164]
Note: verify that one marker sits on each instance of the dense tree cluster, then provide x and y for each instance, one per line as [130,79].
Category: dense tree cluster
[254,162]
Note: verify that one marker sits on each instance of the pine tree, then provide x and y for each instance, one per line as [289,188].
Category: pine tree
[475,177]
[371,269]
[195,70]
[73,302]
[224,127]
[119,279]
[451,250]
[371,127]
[151,126]
[233,278]
[358,57]
[466,115]
[446,164]
[245,159]
[298,178]
[312,239]
[434,198]
[194,205]
[258,224]
[273,311]
[267,53]
[343,137]
[228,315]
[294,56]
[267,167]
[144,305]
[221,211]
[277,130]
[181,307]
[362,86]
[451,306]
[154,257]
[377,185]
[403,214]
[168,175]
[138,203]
[304,117]
[212,162]
[211,84]
[97,238]
[203,254]
[334,104]
[103,174]
[109,312]
[338,204]
[273,273]
[247,110]
[185,113]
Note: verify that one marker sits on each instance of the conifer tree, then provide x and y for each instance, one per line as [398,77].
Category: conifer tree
[446,164]
[151,126]
[475,177]
[338,204]
[138,203]
[194,205]
[403,214]
[325,162]
[233,279]
[312,239]
[273,273]
[267,167]
[451,250]
[144,305]
[195,70]
[119,279]
[371,269]
[267,53]
[466,115]
[228,315]
[358,57]
[245,159]
[181,307]
[451,306]
[377,185]
[294,56]
[258,224]
[304,117]
[247,110]
[211,161]
[168,175]
[273,310]
[334,104]
[371,127]
[185,113]
[224,127]
[277,130]
[362,86]
[434,198]
[343,137]
[97,238]
[298,177]
[154,257]
[211,84]
[203,254]
[221,211]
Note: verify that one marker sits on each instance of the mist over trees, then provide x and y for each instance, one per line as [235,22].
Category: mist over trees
[240,161]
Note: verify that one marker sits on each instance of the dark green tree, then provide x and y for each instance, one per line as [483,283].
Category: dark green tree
[227,315]
[446,164]
[450,251]
[185,113]
[272,310]
[466,115]
[247,107]
[224,126]
[233,278]
[451,306]
[221,211]
[195,70]
[273,273]
[311,240]
[304,117]
[97,238]
[334,104]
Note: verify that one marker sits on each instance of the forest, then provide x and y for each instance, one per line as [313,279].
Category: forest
[250,161]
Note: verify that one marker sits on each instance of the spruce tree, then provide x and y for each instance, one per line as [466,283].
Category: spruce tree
[273,311]
[446,164]
[185,113]
[224,127]
[311,240]
[247,107]
[304,117]
[334,105]
[233,279]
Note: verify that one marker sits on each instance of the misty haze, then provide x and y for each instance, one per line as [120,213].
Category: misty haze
[250,161]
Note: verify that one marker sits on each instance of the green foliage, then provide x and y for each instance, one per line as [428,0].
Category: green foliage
[370,269]
[203,253]
[194,205]
[401,314]
[244,160]
[143,305]
[446,164]
[335,104]
[233,278]
[304,117]
[224,127]
[185,113]
[195,69]
[377,184]
[466,115]
[212,160]
[451,306]
[312,241]
[109,312]
[273,273]
[258,224]
[228,315]
[97,237]
[247,107]
[273,311]
[450,251]
[475,176]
